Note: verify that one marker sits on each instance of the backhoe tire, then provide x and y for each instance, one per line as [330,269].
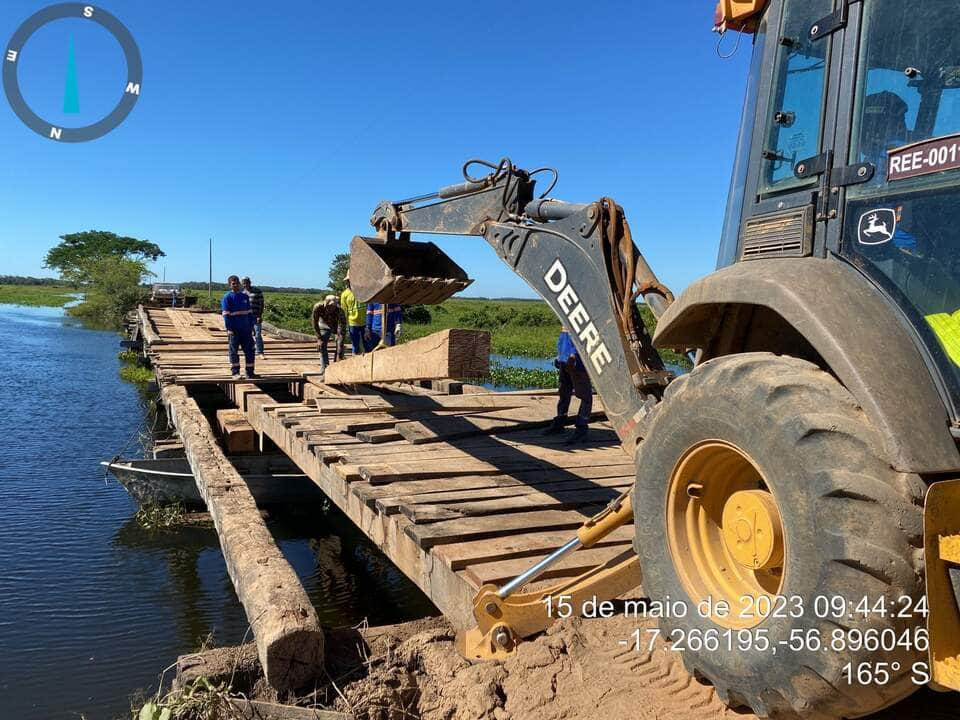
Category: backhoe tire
[851,528]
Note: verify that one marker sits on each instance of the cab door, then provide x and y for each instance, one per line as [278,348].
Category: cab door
[901,112]
[785,213]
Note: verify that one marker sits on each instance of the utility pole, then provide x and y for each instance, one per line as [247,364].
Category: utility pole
[210,275]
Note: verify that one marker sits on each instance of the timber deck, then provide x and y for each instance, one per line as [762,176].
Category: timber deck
[457,490]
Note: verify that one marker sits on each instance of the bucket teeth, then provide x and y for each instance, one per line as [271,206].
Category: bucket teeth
[403,272]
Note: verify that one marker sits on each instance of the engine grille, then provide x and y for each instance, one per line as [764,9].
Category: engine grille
[784,234]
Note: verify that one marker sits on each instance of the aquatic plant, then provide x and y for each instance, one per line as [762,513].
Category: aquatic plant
[136,374]
[160,517]
[521,378]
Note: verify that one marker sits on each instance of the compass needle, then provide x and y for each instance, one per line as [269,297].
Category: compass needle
[71,95]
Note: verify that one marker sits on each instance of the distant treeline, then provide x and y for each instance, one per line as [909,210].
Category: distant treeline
[267,288]
[24,280]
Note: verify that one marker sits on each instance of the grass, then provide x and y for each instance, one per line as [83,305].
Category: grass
[35,295]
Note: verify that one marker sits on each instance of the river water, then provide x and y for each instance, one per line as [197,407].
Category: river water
[92,607]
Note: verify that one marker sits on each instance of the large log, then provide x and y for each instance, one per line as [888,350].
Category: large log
[286,628]
[446,354]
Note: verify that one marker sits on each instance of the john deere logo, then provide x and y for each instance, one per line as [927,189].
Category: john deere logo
[877,226]
[128,93]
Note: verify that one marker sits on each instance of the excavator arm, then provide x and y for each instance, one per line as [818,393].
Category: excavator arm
[580,258]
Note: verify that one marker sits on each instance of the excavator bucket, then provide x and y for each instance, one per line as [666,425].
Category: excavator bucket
[403,272]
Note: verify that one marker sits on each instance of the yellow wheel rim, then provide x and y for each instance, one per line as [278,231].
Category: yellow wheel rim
[725,534]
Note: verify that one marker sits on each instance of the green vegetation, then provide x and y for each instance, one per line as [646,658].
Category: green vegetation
[131,370]
[338,272]
[517,327]
[35,295]
[136,374]
[110,268]
[200,700]
[78,254]
[28,280]
[160,517]
[114,288]
[521,378]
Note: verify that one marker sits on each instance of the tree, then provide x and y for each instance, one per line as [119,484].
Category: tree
[114,287]
[338,271]
[78,253]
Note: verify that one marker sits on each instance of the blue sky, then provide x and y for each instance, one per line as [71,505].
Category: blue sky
[275,128]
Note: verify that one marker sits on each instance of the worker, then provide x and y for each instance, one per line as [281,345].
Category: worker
[884,127]
[573,381]
[375,330]
[256,306]
[327,323]
[238,321]
[356,314]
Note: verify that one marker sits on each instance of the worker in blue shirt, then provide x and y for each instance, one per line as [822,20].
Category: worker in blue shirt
[573,381]
[374,329]
[238,320]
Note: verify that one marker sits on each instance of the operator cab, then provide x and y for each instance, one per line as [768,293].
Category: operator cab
[850,148]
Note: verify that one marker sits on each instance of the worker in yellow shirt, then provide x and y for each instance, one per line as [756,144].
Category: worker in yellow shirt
[947,328]
[356,313]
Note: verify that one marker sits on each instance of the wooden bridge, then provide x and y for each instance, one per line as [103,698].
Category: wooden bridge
[458,486]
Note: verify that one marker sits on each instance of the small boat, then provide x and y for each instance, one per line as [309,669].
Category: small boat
[273,480]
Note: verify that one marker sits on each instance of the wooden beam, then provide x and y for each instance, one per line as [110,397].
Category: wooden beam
[445,354]
[284,623]
[237,432]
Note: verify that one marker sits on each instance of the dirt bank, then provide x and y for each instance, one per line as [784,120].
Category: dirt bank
[576,670]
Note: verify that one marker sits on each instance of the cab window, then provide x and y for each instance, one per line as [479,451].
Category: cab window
[795,124]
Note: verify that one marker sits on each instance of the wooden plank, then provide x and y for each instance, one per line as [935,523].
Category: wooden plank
[391,504]
[284,623]
[500,571]
[397,404]
[419,487]
[435,429]
[448,353]
[560,500]
[379,436]
[459,555]
[494,462]
[475,528]
[147,328]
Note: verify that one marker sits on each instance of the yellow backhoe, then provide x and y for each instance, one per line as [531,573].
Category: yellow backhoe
[801,482]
